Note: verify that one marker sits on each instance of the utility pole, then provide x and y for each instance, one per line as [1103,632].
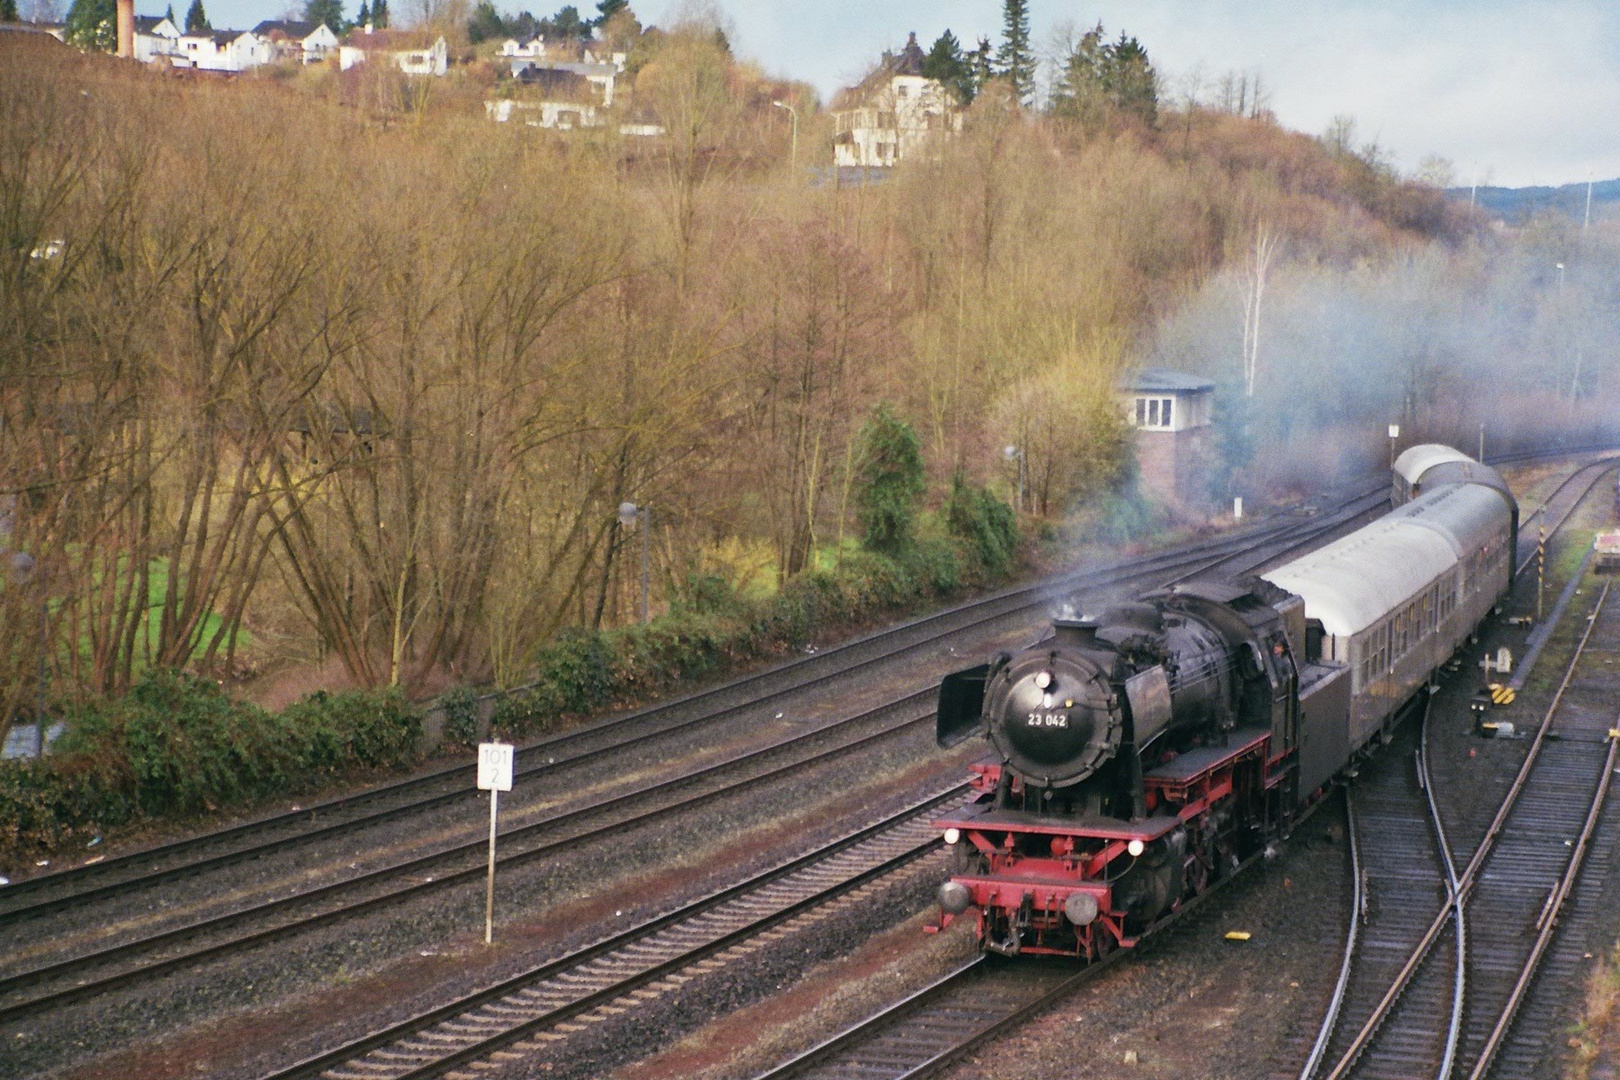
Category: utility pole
[631,514]
[793,158]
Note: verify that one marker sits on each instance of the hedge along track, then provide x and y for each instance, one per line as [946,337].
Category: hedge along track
[336,817]
[618,974]
[1520,876]
[30,992]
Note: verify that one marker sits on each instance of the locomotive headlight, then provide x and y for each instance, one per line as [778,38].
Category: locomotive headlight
[1135,847]
[952,835]
[1043,680]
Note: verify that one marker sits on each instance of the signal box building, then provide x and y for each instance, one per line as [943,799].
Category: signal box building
[1171,412]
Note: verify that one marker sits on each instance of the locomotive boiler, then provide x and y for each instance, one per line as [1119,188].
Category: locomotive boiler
[1140,756]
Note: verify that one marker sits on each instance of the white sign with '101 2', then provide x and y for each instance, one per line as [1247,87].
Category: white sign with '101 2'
[494,766]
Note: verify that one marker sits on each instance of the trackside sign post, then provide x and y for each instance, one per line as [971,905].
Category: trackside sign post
[494,776]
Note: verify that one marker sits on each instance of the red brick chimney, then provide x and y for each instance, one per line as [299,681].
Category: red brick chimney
[126,28]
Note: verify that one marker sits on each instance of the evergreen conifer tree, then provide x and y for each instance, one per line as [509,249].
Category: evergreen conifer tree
[946,63]
[196,18]
[362,16]
[606,9]
[169,14]
[379,14]
[93,24]
[8,10]
[329,12]
[1015,61]
[892,479]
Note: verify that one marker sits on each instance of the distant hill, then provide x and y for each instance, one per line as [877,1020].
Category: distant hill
[1517,205]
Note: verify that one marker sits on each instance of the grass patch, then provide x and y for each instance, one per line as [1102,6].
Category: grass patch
[1596,1037]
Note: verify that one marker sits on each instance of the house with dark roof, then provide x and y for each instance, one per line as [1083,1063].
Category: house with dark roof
[221,50]
[893,113]
[156,38]
[298,40]
[415,52]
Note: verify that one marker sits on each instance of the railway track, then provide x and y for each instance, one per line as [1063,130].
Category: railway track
[939,1024]
[76,979]
[1508,900]
[1405,873]
[539,760]
[924,1033]
[620,973]
[84,975]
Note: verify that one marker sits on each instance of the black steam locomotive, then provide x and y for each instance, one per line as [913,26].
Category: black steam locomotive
[1142,755]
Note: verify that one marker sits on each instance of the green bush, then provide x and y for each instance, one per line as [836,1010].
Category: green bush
[178,746]
[891,479]
[986,524]
[460,717]
[576,669]
[521,712]
[175,746]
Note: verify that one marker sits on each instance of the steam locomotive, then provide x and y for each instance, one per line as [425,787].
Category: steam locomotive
[1143,755]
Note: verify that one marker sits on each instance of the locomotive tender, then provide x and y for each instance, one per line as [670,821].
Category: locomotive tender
[1143,755]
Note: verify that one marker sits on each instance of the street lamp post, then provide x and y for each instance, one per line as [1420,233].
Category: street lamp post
[630,514]
[1016,453]
[24,570]
[1394,433]
[793,158]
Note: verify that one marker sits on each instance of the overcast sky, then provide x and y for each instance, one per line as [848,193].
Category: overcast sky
[1511,93]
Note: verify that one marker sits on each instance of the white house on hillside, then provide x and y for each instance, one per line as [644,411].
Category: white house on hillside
[414,53]
[155,37]
[532,49]
[305,42]
[221,50]
[549,74]
[894,113]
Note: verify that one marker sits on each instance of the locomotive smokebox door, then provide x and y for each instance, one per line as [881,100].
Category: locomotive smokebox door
[961,706]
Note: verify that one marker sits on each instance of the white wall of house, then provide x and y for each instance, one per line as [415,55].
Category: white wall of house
[894,123]
[430,61]
[320,44]
[206,53]
[558,115]
[534,49]
[161,41]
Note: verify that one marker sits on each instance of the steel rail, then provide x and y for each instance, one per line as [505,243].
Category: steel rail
[1597,469]
[355,1049]
[84,989]
[1459,977]
[1547,925]
[471,872]
[1358,911]
[867,1028]
[1467,879]
[980,611]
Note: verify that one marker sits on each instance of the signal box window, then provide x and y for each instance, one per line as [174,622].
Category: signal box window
[1155,412]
